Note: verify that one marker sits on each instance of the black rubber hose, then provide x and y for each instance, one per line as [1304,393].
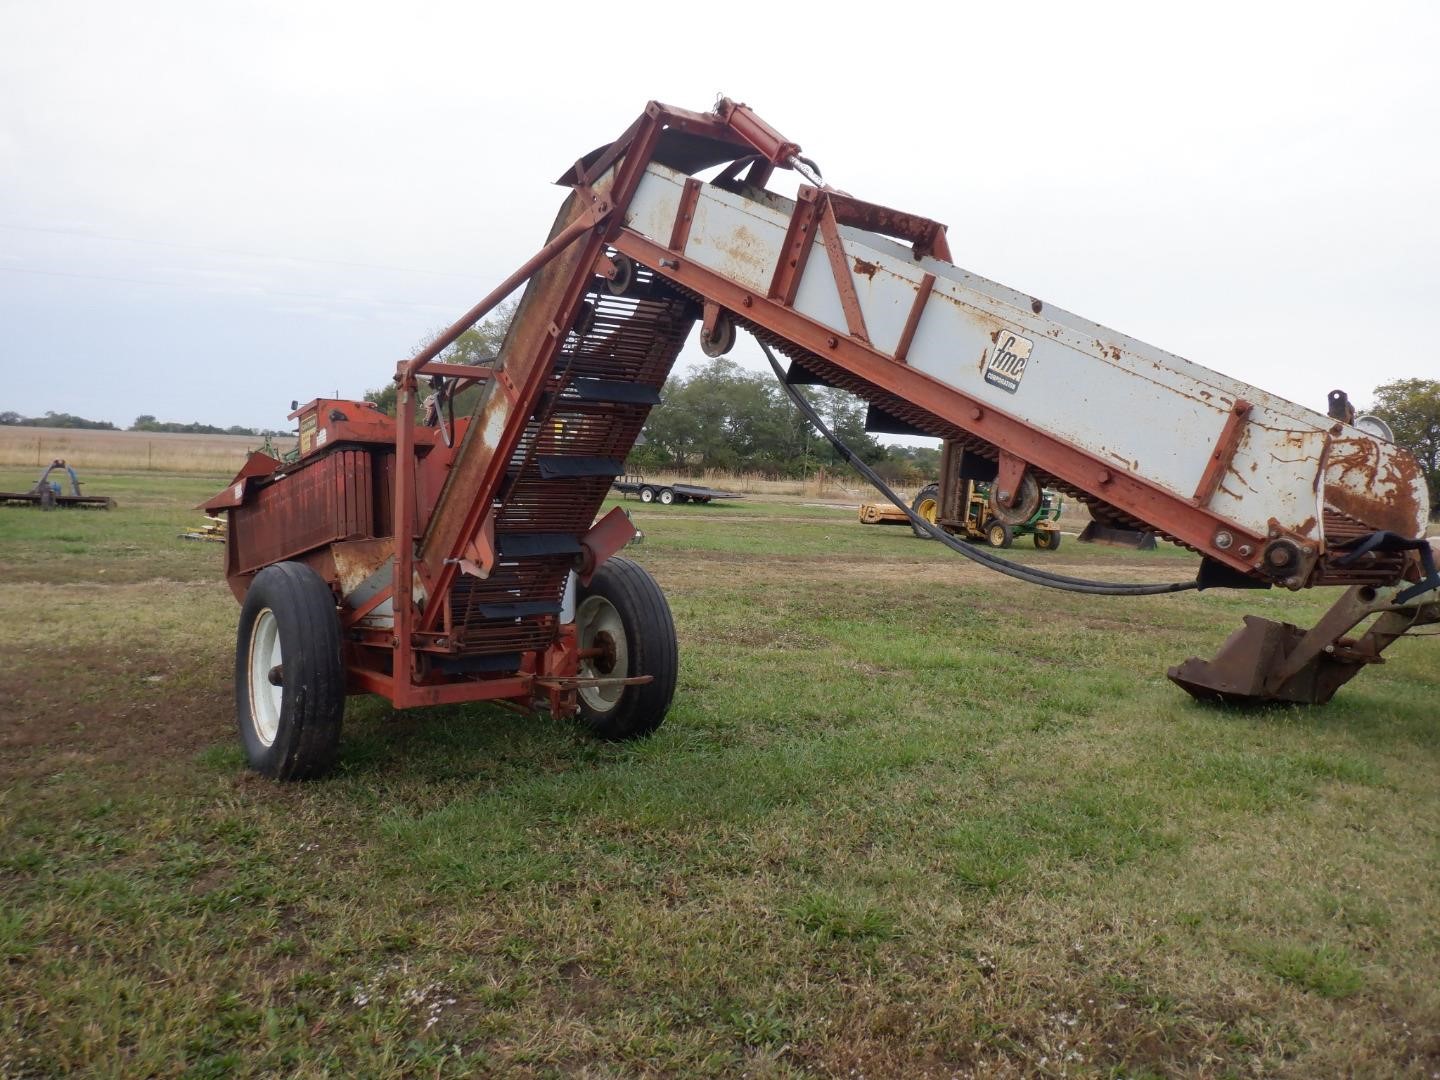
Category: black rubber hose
[990,562]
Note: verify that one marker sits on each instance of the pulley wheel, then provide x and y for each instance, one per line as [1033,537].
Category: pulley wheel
[584,320]
[724,339]
[619,283]
[1025,506]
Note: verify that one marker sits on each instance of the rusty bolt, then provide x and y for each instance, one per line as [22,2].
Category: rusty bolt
[746,301]
[1308,550]
[1103,477]
[1223,540]
[832,341]
[977,413]
[1245,550]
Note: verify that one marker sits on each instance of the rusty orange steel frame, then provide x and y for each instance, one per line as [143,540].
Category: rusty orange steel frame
[432,556]
[432,545]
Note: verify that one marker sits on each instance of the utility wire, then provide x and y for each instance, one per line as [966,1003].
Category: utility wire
[990,562]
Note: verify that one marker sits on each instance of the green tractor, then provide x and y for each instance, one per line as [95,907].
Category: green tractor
[981,519]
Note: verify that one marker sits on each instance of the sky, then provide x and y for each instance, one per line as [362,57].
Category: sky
[210,209]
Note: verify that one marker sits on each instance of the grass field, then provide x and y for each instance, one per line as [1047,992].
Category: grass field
[905,819]
[213,455]
[27,448]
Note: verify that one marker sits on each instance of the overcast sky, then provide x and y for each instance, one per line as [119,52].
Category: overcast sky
[208,209]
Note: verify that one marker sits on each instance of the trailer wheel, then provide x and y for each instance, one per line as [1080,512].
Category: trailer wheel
[666,496]
[1047,539]
[647,494]
[998,534]
[289,677]
[927,506]
[623,613]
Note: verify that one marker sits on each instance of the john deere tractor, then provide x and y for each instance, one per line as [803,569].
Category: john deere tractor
[975,512]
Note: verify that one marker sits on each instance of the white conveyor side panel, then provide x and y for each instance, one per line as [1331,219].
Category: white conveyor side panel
[1134,406]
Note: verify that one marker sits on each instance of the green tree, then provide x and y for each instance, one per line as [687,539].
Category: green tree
[476,347]
[1412,409]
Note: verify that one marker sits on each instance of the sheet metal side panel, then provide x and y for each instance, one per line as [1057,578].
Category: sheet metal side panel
[1146,410]
[325,500]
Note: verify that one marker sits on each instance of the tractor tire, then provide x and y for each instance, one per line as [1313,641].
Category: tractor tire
[998,534]
[289,675]
[647,494]
[624,611]
[927,506]
[666,496]
[1047,539]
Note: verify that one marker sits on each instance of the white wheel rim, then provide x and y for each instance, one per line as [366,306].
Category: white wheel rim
[666,497]
[594,620]
[265,696]
[646,495]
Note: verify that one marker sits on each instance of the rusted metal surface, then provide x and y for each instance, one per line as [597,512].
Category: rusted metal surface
[769,142]
[840,267]
[1267,661]
[1223,454]
[799,242]
[606,537]
[947,412]
[925,236]
[912,320]
[324,500]
[1367,482]
[684,215]
[1081,383]
[545,313]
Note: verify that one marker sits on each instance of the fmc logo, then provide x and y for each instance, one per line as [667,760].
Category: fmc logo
[1006,366]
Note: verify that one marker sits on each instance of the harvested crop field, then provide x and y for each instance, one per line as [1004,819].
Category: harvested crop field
[905,819]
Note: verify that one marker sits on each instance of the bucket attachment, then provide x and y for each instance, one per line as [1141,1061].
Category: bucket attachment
[1276,662]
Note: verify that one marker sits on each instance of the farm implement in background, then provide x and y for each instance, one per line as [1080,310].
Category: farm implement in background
[973,510]
[648,491]
[49,494]
[464,561]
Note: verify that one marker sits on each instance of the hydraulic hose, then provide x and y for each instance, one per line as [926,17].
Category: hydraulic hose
[990,562]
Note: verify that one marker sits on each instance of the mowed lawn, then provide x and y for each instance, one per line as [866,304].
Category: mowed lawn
[905,819]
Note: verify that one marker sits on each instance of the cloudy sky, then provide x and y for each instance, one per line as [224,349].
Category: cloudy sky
[208,209]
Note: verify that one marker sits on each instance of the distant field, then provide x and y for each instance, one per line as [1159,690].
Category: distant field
[906,819]
[126,450]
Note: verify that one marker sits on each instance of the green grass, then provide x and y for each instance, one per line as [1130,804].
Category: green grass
[904,819]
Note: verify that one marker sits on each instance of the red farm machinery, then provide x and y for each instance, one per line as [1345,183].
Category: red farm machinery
[463,561]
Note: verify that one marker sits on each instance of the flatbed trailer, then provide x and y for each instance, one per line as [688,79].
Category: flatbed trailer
[466,563]
[665,494]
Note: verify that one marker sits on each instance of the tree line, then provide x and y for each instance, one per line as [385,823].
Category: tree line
[144,422]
